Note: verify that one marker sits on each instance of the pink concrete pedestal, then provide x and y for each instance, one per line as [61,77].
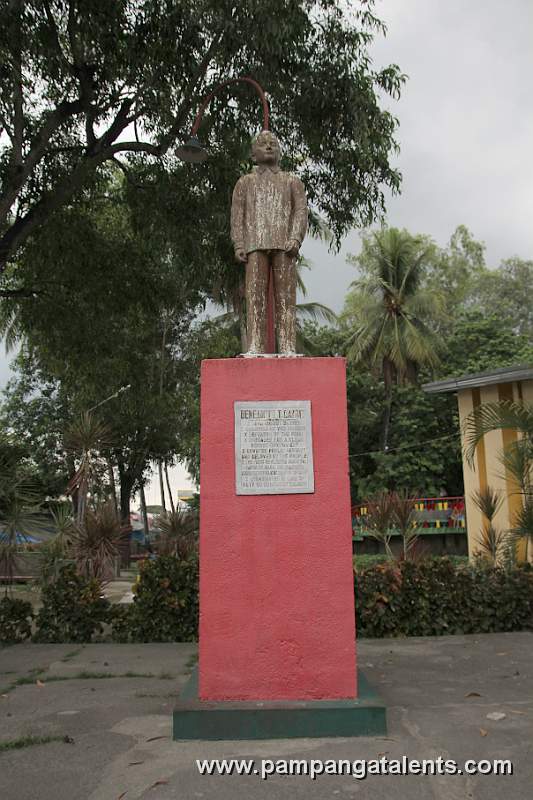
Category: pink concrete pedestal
[276,582]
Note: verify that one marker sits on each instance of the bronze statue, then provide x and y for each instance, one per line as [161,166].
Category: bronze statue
[268,224]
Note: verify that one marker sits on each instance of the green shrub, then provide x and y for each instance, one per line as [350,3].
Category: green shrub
[73,609]
[165,606]
[437,596]
[15,620]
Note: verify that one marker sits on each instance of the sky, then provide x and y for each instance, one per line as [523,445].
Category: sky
[466,132]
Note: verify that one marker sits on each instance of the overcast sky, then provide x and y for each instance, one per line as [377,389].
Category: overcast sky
[466,131]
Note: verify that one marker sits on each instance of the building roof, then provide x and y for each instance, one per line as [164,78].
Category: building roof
[523,372]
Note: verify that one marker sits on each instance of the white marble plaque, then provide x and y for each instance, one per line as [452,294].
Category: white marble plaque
[274,447]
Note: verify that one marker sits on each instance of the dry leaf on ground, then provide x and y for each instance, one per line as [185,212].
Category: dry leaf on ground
[496,715]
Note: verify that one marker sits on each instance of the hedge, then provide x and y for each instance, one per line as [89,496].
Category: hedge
[428,598]
[436,597]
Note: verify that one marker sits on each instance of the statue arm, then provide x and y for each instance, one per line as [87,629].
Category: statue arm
[299,211]
[237,216]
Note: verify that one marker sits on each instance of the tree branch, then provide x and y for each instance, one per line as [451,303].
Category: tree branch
[3,122]
[100,150]
[63,191]
[18,113]
[55,34]
[36,153]
[7,293]
[166,141]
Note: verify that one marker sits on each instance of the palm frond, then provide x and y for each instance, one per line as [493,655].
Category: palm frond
[503,415]
[316,311]
[489,501]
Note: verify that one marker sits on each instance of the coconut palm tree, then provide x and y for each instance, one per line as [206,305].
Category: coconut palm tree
[516,458]
[390,315]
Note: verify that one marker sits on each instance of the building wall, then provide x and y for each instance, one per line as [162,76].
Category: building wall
[487,469]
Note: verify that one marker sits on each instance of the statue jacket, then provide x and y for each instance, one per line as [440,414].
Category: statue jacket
[269,208]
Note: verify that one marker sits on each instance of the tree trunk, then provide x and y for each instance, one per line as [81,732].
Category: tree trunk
[172,506]
[388,379]
[126,485]
[112,484]
[144,513]
[386,422]
[161,484]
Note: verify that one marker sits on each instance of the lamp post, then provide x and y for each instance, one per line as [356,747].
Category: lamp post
[193,151]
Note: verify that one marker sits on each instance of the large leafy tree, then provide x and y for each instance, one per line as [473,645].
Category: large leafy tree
[83,84]
[110,314]
[454,271]
[388,315]
[507,292]
[482,340]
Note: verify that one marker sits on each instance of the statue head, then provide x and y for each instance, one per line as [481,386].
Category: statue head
[265,149]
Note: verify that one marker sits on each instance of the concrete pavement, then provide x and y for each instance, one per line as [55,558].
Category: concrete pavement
[105,712]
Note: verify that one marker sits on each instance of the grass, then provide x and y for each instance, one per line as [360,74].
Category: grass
[35,674]
[71,655]
[30,741]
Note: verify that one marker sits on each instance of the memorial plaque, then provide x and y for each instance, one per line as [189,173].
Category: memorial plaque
[274,447]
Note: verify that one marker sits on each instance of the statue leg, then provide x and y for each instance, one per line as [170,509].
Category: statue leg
[257,267]
[284,270]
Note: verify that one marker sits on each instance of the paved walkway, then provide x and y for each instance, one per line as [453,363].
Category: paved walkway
[106,709]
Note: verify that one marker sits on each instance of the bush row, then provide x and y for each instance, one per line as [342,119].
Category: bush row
[436,597]
[428,598]
[165,608]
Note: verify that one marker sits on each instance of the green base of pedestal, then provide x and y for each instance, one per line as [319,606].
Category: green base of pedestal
[278,719]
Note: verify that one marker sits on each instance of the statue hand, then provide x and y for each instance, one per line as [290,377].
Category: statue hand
[292,247]
[240,256]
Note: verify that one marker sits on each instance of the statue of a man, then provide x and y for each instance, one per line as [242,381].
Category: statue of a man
[268,224]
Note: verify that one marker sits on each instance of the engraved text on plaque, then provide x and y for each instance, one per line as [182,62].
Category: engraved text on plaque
[273,447]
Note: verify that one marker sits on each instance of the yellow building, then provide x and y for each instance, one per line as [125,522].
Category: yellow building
[509,383]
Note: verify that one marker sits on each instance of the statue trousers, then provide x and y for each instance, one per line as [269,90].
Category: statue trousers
[258,265]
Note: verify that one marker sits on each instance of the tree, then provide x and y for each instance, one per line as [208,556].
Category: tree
[454,271]
[481,341]
[507,292]
[205,339]
[93,329]
[84,84]
[424,454]
[388,315]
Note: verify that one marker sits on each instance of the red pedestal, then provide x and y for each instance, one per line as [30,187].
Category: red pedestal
[277,615]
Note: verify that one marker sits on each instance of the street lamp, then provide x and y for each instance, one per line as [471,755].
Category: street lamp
[111,397]
[193,150]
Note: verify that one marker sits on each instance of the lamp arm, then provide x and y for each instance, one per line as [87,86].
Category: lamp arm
[216,90]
